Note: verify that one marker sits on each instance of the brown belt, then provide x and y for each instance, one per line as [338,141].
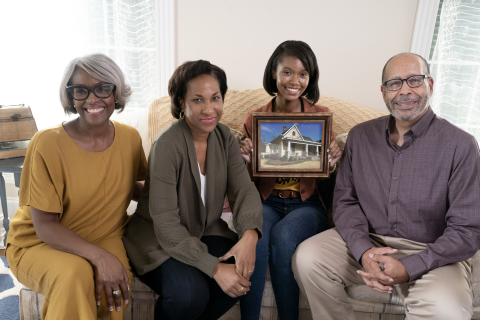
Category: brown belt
[285,193]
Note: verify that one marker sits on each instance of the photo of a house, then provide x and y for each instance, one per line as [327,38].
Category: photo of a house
[290,145]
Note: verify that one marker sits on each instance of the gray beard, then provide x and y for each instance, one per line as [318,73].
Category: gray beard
[414,115]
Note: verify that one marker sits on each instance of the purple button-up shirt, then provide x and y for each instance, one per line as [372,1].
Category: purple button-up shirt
[427,190]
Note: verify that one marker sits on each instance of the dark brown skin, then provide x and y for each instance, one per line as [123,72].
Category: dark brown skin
[406,104]
[291,74]
[110,274]
[203,108]
[94,133]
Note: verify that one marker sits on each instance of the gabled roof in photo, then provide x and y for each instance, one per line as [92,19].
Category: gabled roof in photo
[281,136]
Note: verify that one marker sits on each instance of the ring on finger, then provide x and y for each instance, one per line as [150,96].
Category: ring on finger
[241,290]
[250,271]
[116,293]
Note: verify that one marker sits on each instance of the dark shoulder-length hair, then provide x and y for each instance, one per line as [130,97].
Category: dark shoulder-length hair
[302,52]
[177,86]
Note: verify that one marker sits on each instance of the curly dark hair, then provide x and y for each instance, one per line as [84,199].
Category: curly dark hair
[177,86]
[302,52]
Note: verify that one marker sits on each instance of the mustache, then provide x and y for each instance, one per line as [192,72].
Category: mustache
[406,100]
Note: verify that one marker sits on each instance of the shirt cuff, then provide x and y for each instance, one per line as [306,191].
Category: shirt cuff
[206,263]
[359,247]
[414,266]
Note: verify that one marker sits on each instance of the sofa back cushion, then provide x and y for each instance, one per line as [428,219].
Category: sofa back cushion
[238,103]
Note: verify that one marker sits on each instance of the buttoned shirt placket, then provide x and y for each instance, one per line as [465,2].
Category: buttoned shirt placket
[395,179]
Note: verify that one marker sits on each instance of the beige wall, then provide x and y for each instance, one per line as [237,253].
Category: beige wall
[352,39]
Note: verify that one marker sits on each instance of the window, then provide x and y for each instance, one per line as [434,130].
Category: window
[455,64]
[46,35]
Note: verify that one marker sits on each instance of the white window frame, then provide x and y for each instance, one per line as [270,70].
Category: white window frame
[424,27]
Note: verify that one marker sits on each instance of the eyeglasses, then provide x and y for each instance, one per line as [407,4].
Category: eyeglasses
[102,91]
[413,82]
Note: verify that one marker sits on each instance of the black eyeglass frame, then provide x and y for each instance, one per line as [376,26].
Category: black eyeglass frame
[406,80]
[90,90]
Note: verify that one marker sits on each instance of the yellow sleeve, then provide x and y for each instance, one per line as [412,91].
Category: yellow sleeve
[38,187]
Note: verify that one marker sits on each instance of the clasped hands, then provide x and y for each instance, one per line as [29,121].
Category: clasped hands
[233,279]
[382,280]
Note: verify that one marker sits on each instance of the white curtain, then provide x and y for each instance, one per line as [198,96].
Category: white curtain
[455,65]
[39,38]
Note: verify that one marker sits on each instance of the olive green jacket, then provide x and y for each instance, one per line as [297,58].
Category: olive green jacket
[171,218]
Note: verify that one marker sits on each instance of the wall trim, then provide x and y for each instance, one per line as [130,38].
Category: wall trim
[165,14]
[424,27]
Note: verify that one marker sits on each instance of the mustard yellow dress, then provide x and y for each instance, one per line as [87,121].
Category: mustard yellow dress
[91,192]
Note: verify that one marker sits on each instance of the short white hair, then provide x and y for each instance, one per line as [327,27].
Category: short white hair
[102,68]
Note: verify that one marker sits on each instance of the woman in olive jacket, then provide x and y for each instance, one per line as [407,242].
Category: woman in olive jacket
[176,240]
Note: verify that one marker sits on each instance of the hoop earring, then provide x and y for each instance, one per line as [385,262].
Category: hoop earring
[182,115]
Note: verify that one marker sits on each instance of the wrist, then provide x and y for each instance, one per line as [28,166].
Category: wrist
[95,255]
[365,256]
[250,234]
[215,269]
[334,168]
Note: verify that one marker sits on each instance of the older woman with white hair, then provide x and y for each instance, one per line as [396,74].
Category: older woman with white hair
[78,178]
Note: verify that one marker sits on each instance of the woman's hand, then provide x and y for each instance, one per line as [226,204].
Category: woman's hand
[246,147]
[244,253]
[110,274]
[109,271]
[231,282]
[334,152]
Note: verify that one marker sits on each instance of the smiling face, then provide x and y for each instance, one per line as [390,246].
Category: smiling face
[292,78]
[407,103]
[202,104]
[93,110]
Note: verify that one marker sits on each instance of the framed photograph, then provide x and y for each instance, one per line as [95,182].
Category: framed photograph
[291,144]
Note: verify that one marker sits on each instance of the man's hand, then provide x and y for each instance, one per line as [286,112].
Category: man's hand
[393,268]
[373,276]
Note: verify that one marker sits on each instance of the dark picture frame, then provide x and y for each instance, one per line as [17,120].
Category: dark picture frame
[281,150]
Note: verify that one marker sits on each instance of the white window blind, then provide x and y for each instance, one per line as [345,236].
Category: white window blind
[455,64]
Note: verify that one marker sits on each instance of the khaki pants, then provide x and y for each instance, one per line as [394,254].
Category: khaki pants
[323,266]
[66,280]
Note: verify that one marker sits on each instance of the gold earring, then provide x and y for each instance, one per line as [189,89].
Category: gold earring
[182,115]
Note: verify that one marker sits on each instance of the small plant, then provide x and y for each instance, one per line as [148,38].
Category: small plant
[274,156]
[284,158]
[308,158]
[291,159]
[267,156]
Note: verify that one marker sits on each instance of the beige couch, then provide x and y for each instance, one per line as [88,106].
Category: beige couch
[367,303]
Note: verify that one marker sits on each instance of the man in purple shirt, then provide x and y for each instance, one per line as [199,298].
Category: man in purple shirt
[406,209]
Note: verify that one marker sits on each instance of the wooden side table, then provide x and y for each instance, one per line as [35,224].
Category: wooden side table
[12,165]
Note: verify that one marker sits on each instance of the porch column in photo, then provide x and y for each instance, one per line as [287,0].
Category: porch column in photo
[281,148]
[288,150]
[317,151]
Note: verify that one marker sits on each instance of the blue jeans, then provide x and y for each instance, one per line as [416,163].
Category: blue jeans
[286,223]
[185,292]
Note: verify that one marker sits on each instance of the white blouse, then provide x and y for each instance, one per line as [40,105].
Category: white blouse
[203,180]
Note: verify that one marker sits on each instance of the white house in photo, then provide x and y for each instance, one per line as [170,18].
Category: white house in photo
[292,143]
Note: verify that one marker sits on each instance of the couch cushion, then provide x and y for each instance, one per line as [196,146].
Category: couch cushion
[238,103]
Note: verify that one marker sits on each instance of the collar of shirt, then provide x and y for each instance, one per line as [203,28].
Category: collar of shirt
[417,131]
